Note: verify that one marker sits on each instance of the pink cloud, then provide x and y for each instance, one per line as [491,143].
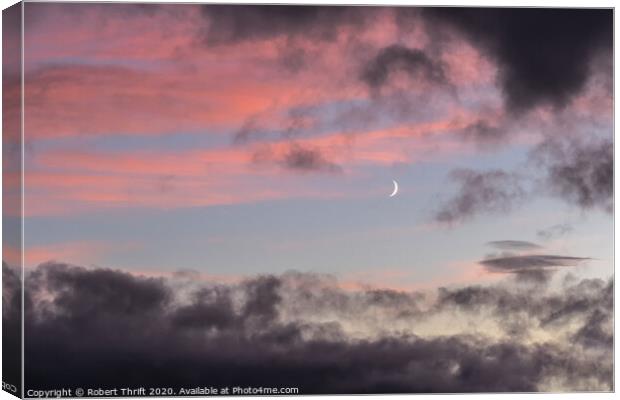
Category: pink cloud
[108,33]
[466,66]
[460,273]
[75,252]
[112,73]
[123,71]
[82,100]
[11,255]
[70,181]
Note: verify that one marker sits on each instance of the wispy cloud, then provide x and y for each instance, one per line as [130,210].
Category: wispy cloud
[414,62]
[514,245]
[479,192]
[554,231]
[579,171]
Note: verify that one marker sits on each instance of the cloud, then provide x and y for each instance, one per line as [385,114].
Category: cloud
[520,263]
[588,303]
[544,56]
[486,191]
[302,330]
[234,23]
[296,122]
[137,101]
[531,268]
[513,245]
[11,326]
[248,129]
[592,303]
[485,132]
[597,331]
[415,62]
[305,159]
[534,275]
[554,231]
[578,171]
[298,158]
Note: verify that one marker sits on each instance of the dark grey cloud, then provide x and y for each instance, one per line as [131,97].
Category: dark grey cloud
[235,23]
[481,192]
[586,295]
[554,231]
[579,171]
[297,158]
[415,62]
[544,55]
[114,329]
[500,300]
[485,133]
[571,303]
[538,276]
[528,268]
[597,331]
[210,309]
[11,327]
[295,58]
[308,159]
[587,303]
[518,263]
[590,302]
[110,292]
[513,245]
[249,129]
[570,43]
[288,27]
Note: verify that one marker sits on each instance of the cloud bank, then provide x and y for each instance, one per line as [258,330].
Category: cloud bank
[304,330]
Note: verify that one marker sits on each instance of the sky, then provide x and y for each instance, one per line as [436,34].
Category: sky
[230,144]
[220,145]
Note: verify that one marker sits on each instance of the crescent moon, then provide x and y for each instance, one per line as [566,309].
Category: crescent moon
[395,188]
